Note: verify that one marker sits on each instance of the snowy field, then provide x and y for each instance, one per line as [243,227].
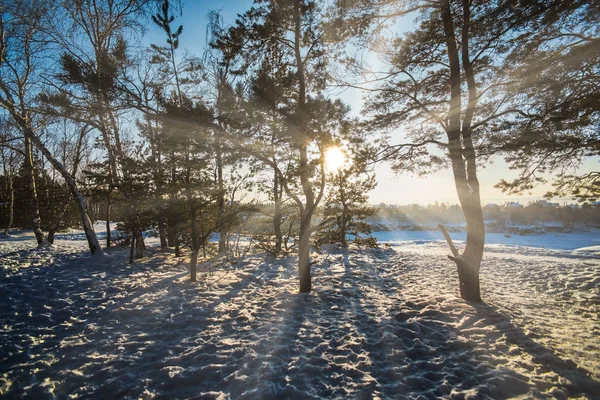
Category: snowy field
[383,323]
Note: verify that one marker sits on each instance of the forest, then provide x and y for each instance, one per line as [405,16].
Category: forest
[208,191]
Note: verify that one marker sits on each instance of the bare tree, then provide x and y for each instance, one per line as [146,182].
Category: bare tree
[21,46]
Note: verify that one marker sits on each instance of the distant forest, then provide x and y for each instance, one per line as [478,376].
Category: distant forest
[536,217]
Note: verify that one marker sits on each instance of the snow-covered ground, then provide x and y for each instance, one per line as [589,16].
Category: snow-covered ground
[383,323]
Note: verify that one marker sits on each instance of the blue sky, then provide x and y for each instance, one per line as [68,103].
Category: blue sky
[391,188]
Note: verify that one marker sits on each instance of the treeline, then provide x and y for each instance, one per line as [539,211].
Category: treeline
[159,137]
[535,217]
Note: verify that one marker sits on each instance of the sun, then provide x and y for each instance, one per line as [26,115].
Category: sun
[335,158]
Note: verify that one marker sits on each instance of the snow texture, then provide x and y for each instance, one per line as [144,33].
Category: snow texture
[383,323]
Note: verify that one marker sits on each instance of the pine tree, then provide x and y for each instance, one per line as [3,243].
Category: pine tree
[296,26]
[345,207]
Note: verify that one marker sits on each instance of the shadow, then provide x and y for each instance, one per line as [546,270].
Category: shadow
[580,383]
[145,330]
[405,345]
[412,348]
[18,236]
[270,369]
[160,339]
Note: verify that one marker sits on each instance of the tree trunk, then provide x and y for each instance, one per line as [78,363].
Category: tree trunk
[223,231]
[51,236]
[161,234]
[195,241]
[304,256]
[139,243]
[344,225]
[132,246]
[303,140]
[139,246]
[108,222]
[11,204]
[277,217]
[88,228]
[464,163]
[193,263]
[34,205]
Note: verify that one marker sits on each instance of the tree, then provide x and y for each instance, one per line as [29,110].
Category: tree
[267,104]
[91,39]
[11,158]
[21,48]
[555,78]
[445,88]
[295,26]
[345,207]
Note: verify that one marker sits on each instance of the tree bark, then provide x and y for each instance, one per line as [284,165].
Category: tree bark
[139,244]
[304,256]
[108,221]
[223,231]
[33,205]
[161,234]
[132,246]
[463,163]
[193,264]
[277,218]
[88,228]
[307,212]
[11,204]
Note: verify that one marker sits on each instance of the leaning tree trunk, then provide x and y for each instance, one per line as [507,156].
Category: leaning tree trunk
[88,228]
[34,205]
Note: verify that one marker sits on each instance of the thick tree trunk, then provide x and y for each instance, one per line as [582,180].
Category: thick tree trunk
[473,253]
[33,205]
[464,160]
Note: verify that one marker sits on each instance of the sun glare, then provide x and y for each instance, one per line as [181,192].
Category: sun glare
[334,159]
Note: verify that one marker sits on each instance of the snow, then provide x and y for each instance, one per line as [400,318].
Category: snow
[552,241]
[381,323]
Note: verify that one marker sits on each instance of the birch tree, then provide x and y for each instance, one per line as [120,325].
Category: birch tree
[21,47]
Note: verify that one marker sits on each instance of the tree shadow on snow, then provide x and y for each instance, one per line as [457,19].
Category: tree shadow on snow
[545,359]
[413,349]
